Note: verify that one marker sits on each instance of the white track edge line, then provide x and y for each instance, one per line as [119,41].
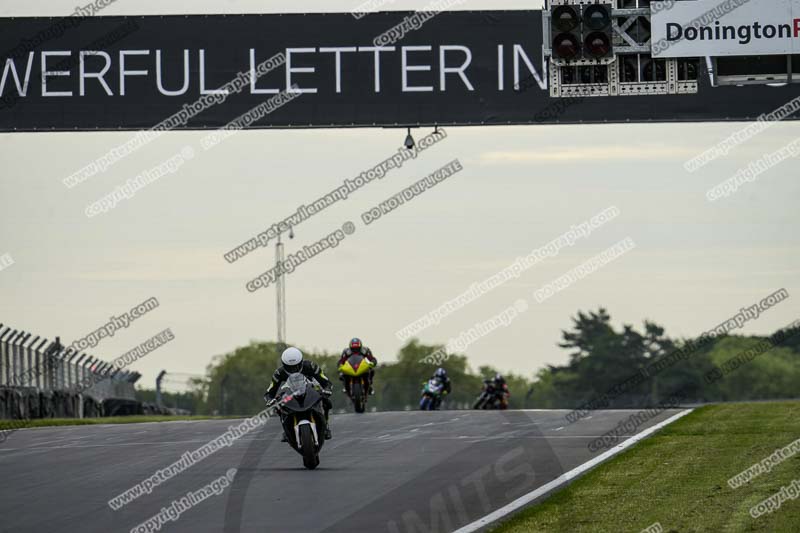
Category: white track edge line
[563,478]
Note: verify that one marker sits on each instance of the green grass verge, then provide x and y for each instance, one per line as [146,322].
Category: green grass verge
[679,478]
[47,422]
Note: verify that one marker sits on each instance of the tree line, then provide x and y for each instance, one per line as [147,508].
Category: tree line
[600,359]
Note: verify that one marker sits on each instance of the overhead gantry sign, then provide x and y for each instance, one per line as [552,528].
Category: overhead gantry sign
[338,70]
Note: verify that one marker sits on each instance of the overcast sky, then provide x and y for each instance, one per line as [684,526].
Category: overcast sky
[695,263]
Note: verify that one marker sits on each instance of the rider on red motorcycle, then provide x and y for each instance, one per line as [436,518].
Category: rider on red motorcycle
[357,347]
[501,390]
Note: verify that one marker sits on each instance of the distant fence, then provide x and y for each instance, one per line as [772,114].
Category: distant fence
[41,379]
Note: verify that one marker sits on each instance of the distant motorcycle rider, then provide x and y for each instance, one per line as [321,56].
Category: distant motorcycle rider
[501,390]
[292,362]
[447,386]
[357,347]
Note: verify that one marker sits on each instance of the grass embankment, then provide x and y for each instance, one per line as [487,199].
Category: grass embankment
[46,422]
[679,478]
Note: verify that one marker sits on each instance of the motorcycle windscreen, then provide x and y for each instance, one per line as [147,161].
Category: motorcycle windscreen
[297,383]
[356,361]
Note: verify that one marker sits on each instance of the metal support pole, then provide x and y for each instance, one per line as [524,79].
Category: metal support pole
[20,375]
[222,385]
[21,354]
[79,372]
[16,358]
[29,375]
[10,356]
[58,370]
[62,370]
[50,368]
[13,359]
[40,364]
[280,294]
[159,399]
[2,358]
[73,366]
[67,358]
[4,353]
[47,369]
[87,373]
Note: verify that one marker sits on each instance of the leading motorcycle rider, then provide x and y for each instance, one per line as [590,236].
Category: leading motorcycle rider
[292,362]
[357,347]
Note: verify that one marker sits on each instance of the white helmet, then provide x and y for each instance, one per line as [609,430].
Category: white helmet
[292,360]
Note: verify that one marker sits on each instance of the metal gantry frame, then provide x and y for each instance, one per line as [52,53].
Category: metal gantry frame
[629,51]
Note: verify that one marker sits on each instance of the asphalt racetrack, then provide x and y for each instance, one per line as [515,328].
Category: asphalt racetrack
[397,472]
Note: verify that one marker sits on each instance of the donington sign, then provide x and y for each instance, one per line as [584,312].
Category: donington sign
[313,70]
[704,28]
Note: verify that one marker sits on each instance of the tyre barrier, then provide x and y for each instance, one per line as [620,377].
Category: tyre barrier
[153,409]
[122,407]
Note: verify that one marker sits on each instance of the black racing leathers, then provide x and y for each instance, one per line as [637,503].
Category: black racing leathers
[309,369]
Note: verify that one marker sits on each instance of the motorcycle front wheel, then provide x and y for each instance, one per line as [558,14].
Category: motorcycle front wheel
[358,398]
[310,456]
[424,404]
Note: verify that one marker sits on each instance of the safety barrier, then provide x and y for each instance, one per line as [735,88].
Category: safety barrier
[41,379]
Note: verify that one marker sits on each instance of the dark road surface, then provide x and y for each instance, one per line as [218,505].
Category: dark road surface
[396,472]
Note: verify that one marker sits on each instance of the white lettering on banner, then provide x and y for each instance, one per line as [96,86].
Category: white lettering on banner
[703,28]
[423,68]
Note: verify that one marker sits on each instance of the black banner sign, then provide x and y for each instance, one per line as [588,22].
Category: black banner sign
[312,70]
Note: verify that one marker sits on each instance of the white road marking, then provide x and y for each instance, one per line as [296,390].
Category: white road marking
[25,452]
[559,429]
[110,445]
[541,410]
[567,476]
[383,438]
[40,445]
[62,429]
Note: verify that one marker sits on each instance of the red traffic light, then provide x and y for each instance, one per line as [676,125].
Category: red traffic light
[565,46]
[565,18]
[597,44]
